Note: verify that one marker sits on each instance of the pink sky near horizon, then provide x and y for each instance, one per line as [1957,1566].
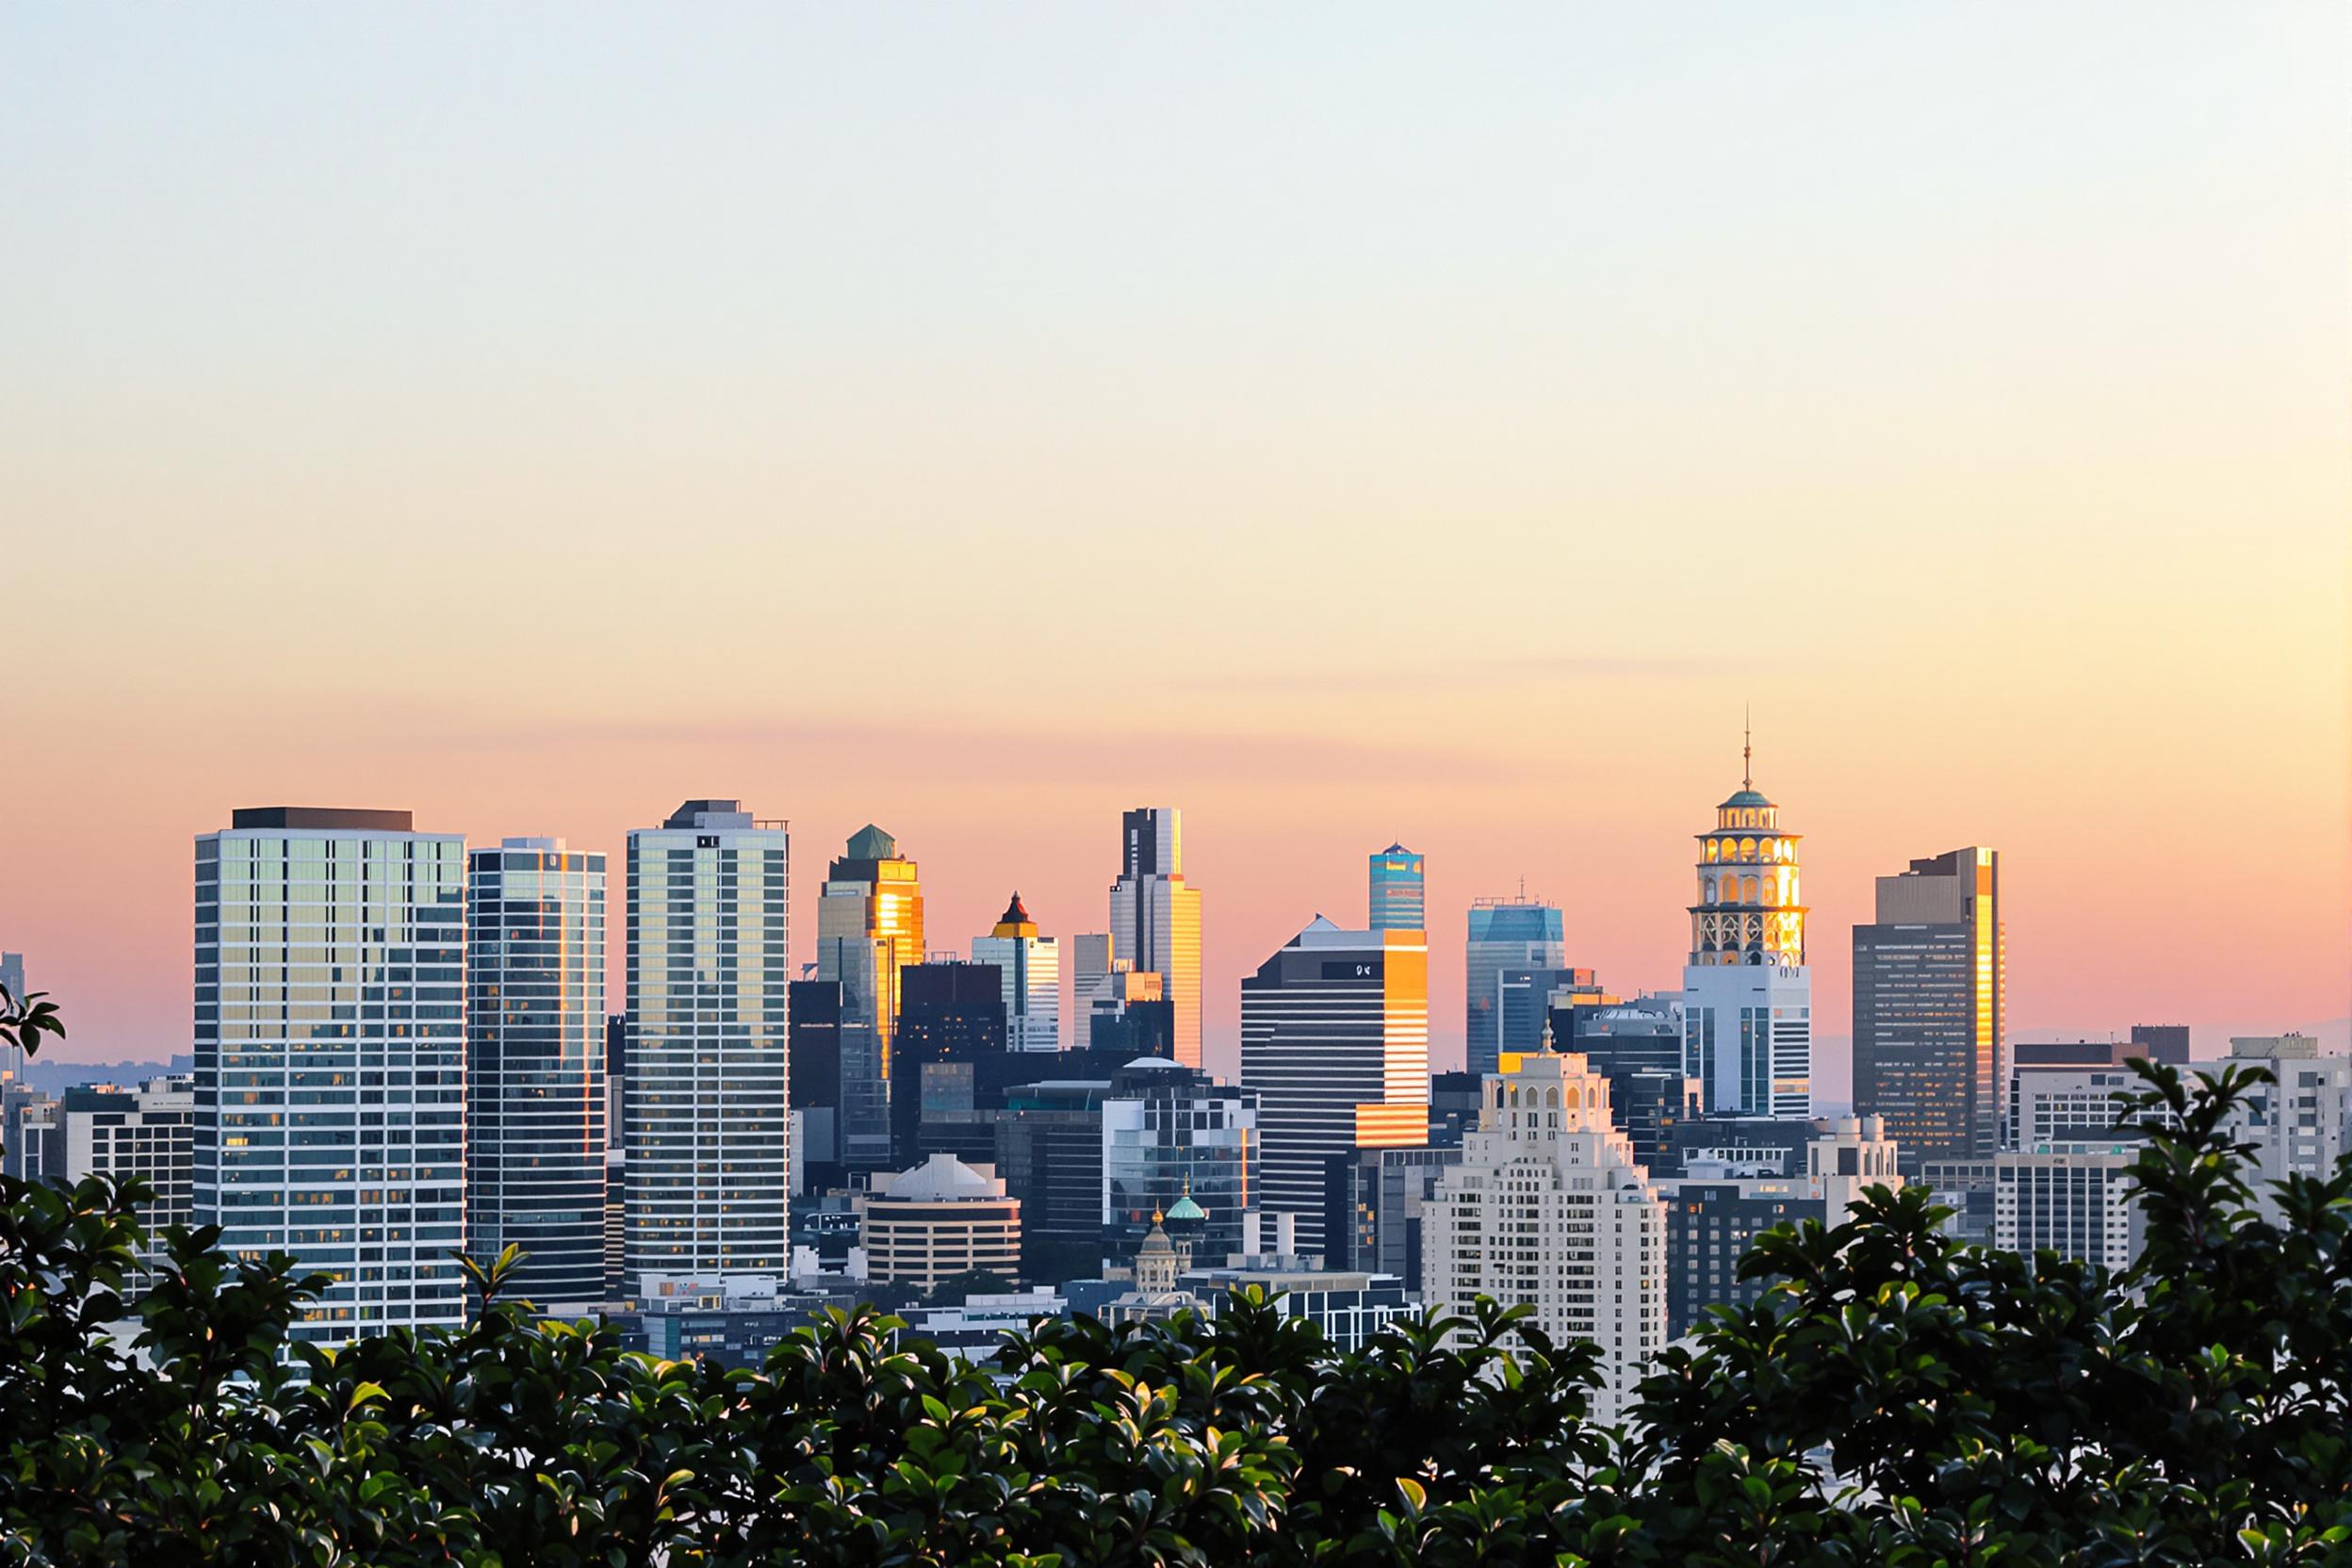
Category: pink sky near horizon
[1345,425]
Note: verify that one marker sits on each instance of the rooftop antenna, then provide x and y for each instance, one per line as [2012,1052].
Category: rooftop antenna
[1747,746]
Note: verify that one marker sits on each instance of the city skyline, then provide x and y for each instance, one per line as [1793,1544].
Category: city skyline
[1962,388]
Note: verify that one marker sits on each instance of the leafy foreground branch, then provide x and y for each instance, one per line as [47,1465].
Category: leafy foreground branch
[1895,1398]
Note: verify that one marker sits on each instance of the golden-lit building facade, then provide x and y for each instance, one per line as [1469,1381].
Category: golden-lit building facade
[1931,1052]
[869,928]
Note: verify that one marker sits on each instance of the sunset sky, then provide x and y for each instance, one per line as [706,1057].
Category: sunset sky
[1344,423]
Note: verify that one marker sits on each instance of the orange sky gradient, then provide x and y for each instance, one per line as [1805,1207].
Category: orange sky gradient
[1345,425]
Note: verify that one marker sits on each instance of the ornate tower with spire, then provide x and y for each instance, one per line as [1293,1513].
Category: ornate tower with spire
[1750,909]
[1747,994]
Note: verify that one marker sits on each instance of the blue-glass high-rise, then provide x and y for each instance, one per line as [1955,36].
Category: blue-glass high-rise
[1398,896]
[1505,936]
[536,1027]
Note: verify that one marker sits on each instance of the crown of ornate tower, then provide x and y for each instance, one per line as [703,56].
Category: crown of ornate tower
[1750,907]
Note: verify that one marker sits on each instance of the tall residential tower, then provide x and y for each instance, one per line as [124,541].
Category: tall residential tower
[329,1094]
[708,1120]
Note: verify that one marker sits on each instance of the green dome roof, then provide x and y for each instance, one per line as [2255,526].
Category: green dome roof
[1747,797]
[1184,1208]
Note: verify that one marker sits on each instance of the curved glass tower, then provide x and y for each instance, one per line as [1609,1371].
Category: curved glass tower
[534,1065]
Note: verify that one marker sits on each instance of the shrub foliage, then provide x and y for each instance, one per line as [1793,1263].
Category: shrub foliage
[1894,1397]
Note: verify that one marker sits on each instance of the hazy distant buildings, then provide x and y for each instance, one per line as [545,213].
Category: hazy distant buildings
[1031,966]
[12,981]
[1548,1207]
[2160,1042]
[1335,1041]
[330,1021]
[1747,994]
[536,1047]
[1155,918]
[1505,936]
[708,1112]
[1930,1047]
[1398,901]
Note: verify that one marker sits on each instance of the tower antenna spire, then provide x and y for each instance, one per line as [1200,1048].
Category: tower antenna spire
[1747,746]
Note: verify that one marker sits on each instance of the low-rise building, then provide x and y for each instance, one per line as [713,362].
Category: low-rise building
[940,1220]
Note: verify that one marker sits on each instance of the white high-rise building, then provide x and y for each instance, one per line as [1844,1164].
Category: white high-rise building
[535,1133]
[2072,1198]
[1747,994]
[330,1093]
[2301,1122]
[708,1120]
[1548,1208]
[1155,918]
[1032,968]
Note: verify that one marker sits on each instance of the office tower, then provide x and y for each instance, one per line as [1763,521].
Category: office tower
[1155,918]
[363,920]
[1747,994]
[148,1133]
[615,1154]
[1930,1051]
[1455,1101]
[709,1169]
[815,1079]
[1507,935]
[1548,1208]
[12,981]
[2300,1122]
[925,1226]
[1046,1142]
[536,1047]
[950,1013]
[1171,1131]
[1130,1013]
[1375,1200]
[1727,1195]
[1091,963]
[1526,998]
[2066,1091]
[1335,1041]
[868,928]
[28,1120]
[1636,1046]
[1399,901]
[1031,968]
[2072,1198]
[2162,1043]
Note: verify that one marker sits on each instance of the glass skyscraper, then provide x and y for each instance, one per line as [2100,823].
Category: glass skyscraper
[330,1058]
[708,1112]
[1507,935]
[536,1026]
[1155,918]
[1398,901]
[1930,1053]
[869,928]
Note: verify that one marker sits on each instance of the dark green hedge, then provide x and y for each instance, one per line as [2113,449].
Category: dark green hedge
[1894,1398]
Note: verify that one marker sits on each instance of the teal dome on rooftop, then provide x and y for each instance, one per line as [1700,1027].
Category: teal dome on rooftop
[1746,795]
[1184,1208]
